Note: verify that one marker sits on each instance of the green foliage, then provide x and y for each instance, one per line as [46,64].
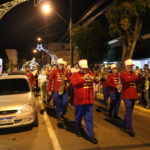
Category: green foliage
[10,65]
[90,42]
[125,18]
[22,61]
[122,16]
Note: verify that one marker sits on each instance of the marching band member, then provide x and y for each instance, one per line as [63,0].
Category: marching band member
[105,84]
[30,77]
[129,94]
[57,81]
[82,82]
[115,95]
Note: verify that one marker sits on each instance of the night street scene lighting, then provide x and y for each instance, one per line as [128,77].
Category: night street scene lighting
[46,8]
[74,75]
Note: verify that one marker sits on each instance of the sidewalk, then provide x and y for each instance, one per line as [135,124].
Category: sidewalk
[138,107]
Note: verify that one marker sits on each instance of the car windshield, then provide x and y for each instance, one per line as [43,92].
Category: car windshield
[13,86]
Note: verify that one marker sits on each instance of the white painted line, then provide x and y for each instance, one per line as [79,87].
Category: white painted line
[50,129]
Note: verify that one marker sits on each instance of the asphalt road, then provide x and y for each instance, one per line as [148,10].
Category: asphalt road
[110,134]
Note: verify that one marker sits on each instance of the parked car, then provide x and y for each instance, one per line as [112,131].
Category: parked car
[18,106]
[17,73]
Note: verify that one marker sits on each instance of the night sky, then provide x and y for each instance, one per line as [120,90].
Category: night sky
[20,26]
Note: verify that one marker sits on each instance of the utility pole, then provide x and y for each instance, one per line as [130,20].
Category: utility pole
[70,32]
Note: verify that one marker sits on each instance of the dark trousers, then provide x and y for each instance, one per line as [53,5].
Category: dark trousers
[61,102]
[85,111]
[106,93]
[129,105]
[115,103]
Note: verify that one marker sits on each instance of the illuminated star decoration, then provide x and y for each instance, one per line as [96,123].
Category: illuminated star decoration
[39,47]
[52,55]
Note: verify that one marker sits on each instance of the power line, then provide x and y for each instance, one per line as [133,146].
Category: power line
[46,26]
[87,14]
[94,17]
[65,34]
[79,8]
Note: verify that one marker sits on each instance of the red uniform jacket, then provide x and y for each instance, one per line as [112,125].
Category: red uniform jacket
[55,79]
[104,82]
[129,90]
[31,79]
[113,82]
[83,89]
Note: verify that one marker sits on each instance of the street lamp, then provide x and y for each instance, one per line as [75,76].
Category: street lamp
[46,8]
[39,39]
[35,51]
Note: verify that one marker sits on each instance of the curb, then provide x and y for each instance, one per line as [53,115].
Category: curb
[100,96]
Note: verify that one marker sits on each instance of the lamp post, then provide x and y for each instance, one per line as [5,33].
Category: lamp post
[70,33]
[46,9]
[39,40]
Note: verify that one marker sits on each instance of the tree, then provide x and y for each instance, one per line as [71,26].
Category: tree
[10,66]
[90,42]
[125,21]
[22,61]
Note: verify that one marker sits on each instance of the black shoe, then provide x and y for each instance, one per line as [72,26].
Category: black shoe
[60,125]
[131,133]
[124,126]
[110,115]
[44,102]
[98,109]
[93,140]
[105,103]
[79,134]
[64,118]
[116,117]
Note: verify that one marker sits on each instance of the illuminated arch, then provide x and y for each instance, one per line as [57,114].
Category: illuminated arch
[4,8]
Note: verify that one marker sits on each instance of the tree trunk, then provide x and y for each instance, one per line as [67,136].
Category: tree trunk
[136,35]
[124,49]
[129,47]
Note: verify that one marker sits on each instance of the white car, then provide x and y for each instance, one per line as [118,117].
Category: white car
[18,106]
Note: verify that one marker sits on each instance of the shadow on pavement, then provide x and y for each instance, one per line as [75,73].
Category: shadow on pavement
[50,112]
[69,125]
[15,130]
[116,122]
[97,148]
[101,109]
[121,147]
[100,106]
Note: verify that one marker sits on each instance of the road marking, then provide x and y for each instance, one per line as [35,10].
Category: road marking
[50,129]
[142,109]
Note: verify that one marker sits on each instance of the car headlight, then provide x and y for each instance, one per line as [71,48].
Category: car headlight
[26,108]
